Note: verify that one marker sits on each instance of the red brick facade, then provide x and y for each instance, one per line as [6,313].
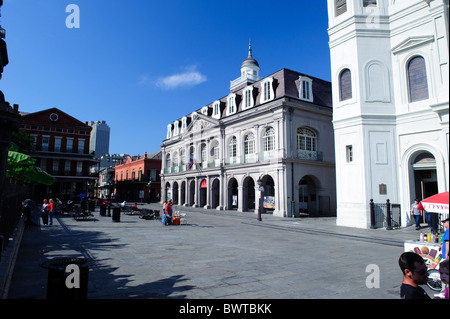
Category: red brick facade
[133,176]
[62,149]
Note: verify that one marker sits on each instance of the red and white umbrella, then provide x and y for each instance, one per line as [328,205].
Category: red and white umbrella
[435,204]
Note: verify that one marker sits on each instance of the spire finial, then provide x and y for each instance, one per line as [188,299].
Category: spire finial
[249,47]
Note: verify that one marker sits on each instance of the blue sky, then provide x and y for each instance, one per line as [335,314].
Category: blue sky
[142,64]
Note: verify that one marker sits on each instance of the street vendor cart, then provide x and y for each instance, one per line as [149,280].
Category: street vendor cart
[429,251]
[432,256]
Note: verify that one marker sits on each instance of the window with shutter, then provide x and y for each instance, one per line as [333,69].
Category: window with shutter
[345,85]
[417,79]
[341,7]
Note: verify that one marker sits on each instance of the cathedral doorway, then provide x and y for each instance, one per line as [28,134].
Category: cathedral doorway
[424,173]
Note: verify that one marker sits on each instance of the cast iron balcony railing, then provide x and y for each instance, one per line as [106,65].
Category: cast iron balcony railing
[309,155]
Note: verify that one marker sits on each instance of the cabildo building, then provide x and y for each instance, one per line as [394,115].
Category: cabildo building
[270,133]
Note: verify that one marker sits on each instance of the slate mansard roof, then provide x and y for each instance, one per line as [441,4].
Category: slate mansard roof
[286,83]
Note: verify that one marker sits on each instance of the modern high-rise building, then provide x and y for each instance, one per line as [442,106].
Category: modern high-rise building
[99,138]
[389,68]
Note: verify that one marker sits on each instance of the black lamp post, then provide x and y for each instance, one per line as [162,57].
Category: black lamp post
[149,185]
[261,190]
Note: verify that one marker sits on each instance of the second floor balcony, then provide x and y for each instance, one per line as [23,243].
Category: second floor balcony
[261,157]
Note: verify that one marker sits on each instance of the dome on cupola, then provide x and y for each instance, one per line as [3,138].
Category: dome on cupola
[249,71]
[250,61]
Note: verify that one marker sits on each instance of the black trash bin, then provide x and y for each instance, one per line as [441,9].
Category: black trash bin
[116,214]
[102,210]
[58,273]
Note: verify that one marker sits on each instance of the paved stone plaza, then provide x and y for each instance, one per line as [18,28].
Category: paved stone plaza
[219,254]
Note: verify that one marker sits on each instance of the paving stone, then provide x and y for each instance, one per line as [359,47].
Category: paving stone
[224,254]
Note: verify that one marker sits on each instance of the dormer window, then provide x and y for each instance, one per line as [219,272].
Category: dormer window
[176,128]
[267,90]
[183,124]
[205,110]
[231,104]
[305,89]
[169,131]
[248,97]
[216,110]
[194,115]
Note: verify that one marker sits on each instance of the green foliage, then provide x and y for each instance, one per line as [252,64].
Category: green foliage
[21,167]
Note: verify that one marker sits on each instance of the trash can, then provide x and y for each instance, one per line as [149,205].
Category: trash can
[67,278]
[116,214]
[102,210]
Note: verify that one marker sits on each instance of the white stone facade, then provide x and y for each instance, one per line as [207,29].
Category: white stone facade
[389,67]
[266,129]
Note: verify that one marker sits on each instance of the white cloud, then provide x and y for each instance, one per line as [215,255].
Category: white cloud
[191,77]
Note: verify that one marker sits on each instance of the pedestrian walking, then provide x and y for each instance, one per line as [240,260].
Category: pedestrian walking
[168,211]
[50,208]
[444,274]
[416,213]
[44,213]
[28,206]
[444,246]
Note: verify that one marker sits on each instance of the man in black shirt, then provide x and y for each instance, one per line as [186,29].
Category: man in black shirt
[414,274]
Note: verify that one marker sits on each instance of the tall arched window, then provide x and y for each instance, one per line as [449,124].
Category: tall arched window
[203,157]
[168,161]
[306,139]
[182,157]
[345,85]
[215,151]
[269,139]
[249,144]
[417,79]
[175,159]
[232,151]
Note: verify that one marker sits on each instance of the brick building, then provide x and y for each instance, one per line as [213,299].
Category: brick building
[137,178]
[61,148]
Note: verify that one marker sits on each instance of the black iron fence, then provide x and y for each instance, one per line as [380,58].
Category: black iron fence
[385,215]
[11,207]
